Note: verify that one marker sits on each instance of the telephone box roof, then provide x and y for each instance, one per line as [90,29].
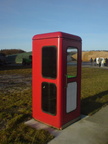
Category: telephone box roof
[56,35]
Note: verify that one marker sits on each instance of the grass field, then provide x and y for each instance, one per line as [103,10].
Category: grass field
[15,109]
[15,103]
[94,92]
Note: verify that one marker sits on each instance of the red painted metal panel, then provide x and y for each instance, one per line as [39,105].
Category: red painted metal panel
[56,35]
[38,79]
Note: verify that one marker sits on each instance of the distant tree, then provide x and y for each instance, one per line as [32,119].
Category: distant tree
[11,51]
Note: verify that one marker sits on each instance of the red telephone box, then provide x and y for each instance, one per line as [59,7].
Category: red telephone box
[56,78]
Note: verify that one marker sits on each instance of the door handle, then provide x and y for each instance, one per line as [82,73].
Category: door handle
[66,81]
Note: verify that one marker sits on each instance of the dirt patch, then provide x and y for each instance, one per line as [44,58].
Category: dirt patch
[7,81]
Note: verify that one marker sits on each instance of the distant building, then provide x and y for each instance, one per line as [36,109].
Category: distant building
[2,58]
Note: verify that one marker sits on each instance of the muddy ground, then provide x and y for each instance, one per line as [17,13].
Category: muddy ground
[14,79]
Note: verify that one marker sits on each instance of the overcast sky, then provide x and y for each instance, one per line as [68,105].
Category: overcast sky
[21,19]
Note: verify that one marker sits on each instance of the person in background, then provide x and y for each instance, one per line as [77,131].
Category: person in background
[95,61]
[91,61]
[99,62]
[106,61]
[102,62]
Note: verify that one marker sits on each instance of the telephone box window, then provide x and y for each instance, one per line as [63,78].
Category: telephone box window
[72,59]
[49,98]
[49,62]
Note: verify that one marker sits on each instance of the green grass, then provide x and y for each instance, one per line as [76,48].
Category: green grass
[94,92]
[15,104]
[15,109]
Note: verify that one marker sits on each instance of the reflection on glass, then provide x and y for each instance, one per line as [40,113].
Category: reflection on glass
[49,62]
[49,93]
[72,62]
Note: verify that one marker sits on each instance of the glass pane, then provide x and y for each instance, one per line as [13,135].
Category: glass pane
[49,98]
[71,97]
[71,62]
[49,62]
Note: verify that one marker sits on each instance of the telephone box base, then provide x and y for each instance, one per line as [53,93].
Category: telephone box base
[64,126]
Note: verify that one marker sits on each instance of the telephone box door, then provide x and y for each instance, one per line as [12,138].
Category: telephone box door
[72,67]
